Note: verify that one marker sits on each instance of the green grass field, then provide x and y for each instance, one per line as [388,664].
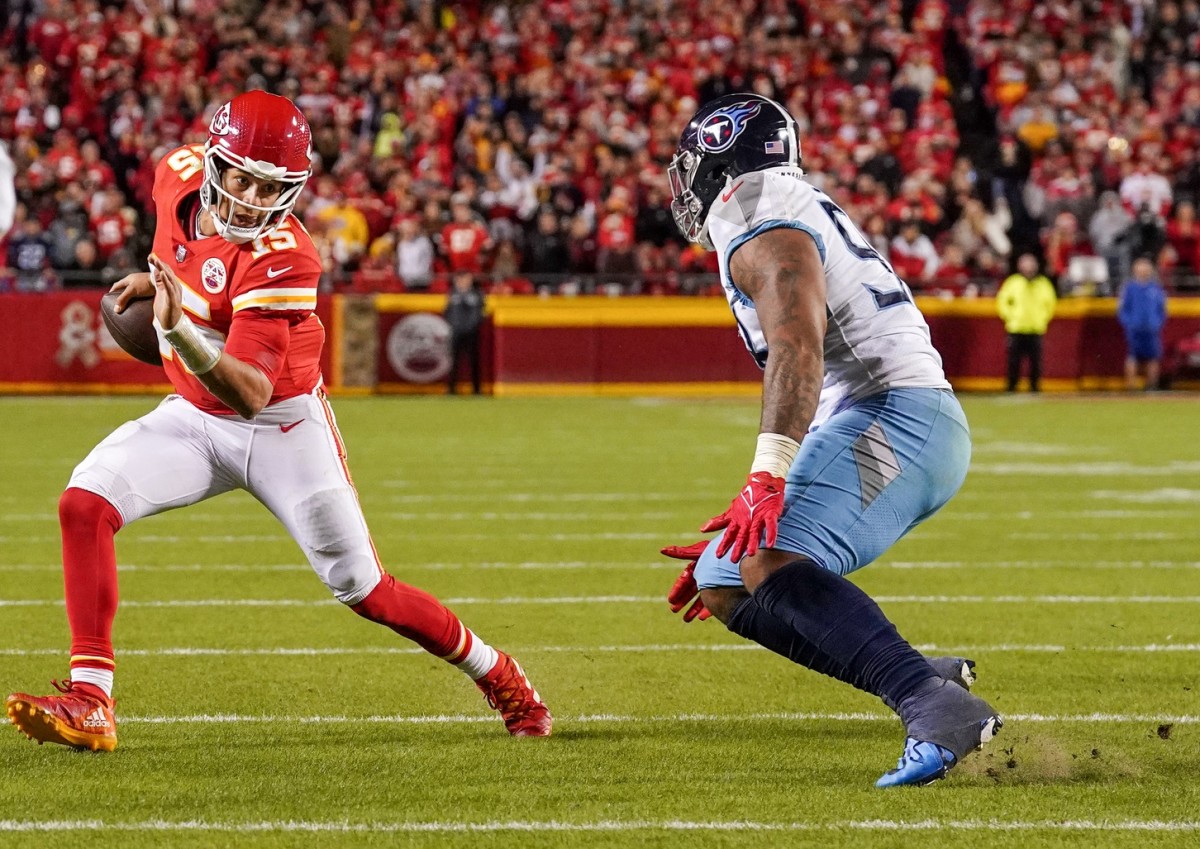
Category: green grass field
[256,712]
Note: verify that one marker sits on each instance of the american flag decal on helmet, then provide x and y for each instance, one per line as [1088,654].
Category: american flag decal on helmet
[773,147]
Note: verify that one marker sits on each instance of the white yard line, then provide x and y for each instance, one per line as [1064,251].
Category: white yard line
[965,651]
[1038,564]
[597,826]
[1116,468]
[548,495]
[784,716]
[568,565]
[1049,515]
[662,537]
[637,599]
[1164,495]
[400,568]
[1116,536]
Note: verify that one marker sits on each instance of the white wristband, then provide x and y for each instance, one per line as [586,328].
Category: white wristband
[774,454]
[195,352]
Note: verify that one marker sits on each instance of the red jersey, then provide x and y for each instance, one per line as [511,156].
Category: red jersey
[274,276]
[464,244]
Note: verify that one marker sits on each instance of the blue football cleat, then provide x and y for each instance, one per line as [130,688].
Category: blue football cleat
[922,763]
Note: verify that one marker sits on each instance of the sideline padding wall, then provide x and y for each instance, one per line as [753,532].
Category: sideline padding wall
[57,343]
[550,346]
[691,346]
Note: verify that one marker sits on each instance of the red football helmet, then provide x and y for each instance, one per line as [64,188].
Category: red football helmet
[266,136]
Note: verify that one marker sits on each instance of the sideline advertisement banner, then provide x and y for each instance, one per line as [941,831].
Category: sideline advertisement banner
[587,345]
[57,343]
[414,346]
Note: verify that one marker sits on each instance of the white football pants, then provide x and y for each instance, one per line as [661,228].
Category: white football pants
[290,457]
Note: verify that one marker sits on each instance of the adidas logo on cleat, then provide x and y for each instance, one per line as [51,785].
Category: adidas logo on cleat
[95,719]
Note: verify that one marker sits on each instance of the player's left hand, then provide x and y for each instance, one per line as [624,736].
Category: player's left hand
[168,294]
[685,588]
[755,511]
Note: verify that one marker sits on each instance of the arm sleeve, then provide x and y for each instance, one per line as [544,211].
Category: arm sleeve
[259,340]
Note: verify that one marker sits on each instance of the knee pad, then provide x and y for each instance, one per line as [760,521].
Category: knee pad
[330,528]
[350,577]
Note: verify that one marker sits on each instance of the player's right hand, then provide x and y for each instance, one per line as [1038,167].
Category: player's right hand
[133,287]
[685,588]
[168,293]
[754,514]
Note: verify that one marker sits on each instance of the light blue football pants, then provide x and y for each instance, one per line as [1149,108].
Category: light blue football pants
[863,479]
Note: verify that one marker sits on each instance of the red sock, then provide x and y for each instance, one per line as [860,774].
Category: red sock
[417,615]
[89,523]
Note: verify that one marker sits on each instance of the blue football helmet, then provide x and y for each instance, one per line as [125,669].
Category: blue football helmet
[732,135]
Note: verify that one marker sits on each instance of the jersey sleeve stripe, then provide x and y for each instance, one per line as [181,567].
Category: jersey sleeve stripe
[772,224]
[270,293]
[277,303]
[277,299]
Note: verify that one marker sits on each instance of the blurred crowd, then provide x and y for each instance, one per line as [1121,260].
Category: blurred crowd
[526,142]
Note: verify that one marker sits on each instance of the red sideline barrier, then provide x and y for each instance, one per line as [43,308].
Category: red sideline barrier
[414,345]
[586,345]
[57,342]
[690,345]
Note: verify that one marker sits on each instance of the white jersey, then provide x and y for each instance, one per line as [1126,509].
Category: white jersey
[875,338]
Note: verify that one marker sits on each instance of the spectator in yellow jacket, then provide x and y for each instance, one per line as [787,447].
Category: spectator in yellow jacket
[1026,303]
[345,230]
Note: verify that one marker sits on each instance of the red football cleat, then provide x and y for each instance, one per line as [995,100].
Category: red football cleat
[76,718]
[509,691]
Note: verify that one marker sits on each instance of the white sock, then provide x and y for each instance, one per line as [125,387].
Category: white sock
[480,658]
[102,678]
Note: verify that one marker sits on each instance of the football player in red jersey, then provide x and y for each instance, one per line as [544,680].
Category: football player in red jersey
[234,279]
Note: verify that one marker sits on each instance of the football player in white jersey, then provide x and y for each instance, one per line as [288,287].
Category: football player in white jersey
[861,437]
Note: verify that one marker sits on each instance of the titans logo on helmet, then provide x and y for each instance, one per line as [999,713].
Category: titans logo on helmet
[721,129]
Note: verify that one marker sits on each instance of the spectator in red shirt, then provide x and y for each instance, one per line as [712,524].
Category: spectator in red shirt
[94,173]
[952,275]
[1183,233]
[64,158]
[111,224]
[615,237]
[464,240]
[914,202]
[913,255]
[1061,242]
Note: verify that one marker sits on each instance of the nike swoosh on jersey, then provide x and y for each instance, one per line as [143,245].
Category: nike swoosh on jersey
[733,188]
[272,273]
[287,427]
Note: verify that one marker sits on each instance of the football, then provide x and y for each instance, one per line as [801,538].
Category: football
[132,329]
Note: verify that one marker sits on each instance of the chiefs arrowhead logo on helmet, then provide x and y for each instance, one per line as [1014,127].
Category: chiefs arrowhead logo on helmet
[219,125]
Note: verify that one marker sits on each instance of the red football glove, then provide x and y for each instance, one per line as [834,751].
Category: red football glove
[755,510]
[685,589]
